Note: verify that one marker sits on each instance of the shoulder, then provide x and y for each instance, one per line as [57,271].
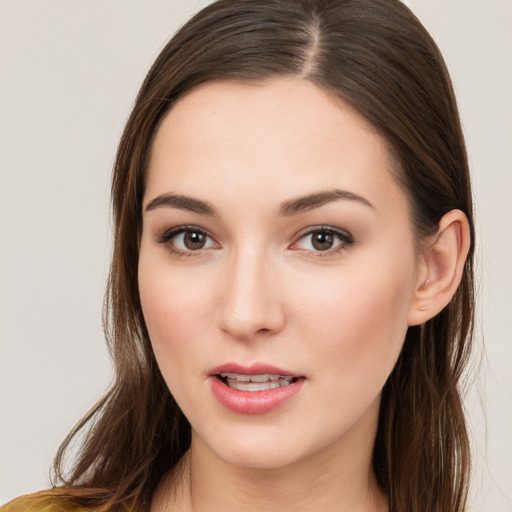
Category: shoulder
[43,501]
[54,500]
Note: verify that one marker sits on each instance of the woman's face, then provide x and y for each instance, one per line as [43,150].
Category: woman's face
[277,270]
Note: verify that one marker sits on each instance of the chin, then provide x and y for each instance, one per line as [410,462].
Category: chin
[259,458]
[257,450]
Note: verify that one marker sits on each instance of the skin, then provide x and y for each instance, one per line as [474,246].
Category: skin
[259,292]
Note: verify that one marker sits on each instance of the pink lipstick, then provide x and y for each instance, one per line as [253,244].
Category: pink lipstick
[256,389]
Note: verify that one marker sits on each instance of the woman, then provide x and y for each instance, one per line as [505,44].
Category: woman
[290,303]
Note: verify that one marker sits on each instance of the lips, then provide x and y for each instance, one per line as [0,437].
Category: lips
[253,390]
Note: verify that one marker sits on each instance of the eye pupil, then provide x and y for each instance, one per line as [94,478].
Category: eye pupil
[194,240]
[322,240]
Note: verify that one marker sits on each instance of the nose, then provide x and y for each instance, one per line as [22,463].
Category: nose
[250,301]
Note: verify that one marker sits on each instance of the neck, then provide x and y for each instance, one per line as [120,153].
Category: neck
[339,478]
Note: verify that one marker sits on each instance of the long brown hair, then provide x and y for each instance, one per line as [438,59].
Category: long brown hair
[377,57]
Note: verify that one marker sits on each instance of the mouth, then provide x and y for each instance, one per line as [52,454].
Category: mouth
[252,383]
[255,389]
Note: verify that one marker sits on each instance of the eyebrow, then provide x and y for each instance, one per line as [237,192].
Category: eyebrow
[287,208]
[311,201]
[170,200]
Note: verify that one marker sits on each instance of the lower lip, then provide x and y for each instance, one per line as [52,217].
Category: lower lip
[253,402]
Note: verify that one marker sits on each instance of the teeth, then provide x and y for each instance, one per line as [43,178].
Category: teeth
[253,386]
[261,378]
[255,378]
[256,382]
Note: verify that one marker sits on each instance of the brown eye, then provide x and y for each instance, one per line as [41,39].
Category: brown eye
[184,239]
[193,240]
[324,239]
[321,240]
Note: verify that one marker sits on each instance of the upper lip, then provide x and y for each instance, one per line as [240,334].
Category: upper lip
[253,369]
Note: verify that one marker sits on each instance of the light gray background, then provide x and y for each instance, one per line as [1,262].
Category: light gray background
[69,73]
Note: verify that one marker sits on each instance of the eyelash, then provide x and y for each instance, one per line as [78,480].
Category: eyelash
[344,237]
[171,233]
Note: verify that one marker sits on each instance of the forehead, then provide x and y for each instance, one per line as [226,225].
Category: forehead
[278,139]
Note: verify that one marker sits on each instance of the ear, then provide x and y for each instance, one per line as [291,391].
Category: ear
[441,266]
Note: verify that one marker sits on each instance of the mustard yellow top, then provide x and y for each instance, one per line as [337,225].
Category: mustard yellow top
[56,500]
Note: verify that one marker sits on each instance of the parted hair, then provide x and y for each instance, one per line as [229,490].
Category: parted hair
[377,57]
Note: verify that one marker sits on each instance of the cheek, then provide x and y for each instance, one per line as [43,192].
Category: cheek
[356,322]
[174,307]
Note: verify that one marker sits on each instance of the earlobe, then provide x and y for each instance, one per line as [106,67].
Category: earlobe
[442,265]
